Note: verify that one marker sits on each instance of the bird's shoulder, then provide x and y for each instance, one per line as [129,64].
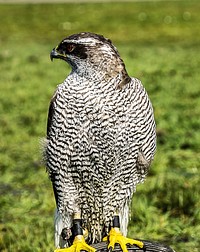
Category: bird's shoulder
[85,94]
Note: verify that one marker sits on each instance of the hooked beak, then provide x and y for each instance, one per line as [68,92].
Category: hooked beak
[55,54]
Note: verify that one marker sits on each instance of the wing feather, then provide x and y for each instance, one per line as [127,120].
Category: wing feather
[51,114]
[49,125]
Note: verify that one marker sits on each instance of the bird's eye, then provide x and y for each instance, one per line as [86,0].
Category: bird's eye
[70,47]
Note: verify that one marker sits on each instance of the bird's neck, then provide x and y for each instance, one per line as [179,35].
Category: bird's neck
[105,72]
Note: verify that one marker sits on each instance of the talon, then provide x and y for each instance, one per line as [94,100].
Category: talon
[115,236]
[78,245]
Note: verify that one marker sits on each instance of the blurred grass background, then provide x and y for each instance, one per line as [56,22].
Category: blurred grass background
[160,44]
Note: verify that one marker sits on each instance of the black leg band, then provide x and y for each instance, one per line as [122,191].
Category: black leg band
[116,222]
[77,227]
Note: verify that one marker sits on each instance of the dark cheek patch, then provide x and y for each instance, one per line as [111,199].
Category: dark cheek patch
[72,49]
[80,51]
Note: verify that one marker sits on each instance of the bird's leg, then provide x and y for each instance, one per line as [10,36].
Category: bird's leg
[79,240]
[115,236]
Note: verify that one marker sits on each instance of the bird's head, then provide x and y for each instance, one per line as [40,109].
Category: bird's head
[88,51]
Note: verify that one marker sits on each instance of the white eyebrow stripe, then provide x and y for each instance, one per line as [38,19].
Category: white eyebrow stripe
[82,41]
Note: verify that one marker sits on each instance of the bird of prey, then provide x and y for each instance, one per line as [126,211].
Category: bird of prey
[100,142]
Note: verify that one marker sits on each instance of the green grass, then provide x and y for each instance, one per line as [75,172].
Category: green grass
[160,44]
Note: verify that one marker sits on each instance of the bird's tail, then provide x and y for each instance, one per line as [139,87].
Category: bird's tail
[59,225]
[124,219]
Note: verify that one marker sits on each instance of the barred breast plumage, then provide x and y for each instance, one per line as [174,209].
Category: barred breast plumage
[100,136]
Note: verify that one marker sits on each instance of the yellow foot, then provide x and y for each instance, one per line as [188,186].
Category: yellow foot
[115,236]
[78,245]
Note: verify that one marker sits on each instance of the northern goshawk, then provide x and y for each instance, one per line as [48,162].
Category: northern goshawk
[100,142]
